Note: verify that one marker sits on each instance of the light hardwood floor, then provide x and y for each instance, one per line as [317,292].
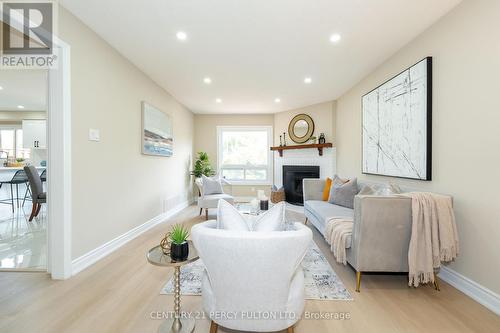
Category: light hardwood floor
[119,293]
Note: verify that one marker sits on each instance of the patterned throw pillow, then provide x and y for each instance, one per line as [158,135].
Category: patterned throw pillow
[386,190]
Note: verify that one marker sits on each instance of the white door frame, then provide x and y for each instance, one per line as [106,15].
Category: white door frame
[59,164]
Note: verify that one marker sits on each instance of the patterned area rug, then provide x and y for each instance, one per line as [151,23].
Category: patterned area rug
[321,281]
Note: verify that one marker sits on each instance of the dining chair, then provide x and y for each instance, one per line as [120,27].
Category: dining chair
[18,178]
[38,196]
[43,175]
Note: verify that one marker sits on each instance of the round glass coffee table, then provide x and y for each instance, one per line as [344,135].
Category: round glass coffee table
[157,257]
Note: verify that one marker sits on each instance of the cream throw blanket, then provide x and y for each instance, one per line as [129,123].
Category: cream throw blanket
[434,236]
[337,230]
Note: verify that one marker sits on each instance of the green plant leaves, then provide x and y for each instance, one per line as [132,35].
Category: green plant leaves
[202,166]
[179,234]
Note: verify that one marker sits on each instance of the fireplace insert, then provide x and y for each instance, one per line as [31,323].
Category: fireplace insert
[292,181]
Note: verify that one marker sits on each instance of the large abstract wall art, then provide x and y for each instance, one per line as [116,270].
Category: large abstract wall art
[397,125]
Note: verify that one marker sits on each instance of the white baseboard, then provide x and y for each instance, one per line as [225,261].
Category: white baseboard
[90,258]
[477,292]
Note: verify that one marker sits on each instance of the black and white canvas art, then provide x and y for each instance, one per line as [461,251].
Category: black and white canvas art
[397,125]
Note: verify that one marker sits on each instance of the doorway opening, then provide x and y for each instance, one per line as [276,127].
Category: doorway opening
[23,170]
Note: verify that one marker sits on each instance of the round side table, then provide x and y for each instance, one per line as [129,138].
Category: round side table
[157,257]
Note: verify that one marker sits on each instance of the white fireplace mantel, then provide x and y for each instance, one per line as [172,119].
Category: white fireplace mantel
[327,162]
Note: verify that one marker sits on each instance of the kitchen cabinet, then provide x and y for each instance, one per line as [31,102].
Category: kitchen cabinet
[35,134]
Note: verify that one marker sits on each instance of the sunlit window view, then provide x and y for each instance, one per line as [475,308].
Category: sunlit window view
[11,144]
[244,153]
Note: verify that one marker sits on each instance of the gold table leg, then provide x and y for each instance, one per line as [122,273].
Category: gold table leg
[177,324]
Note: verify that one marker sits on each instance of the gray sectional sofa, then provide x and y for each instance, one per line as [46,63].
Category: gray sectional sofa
[381,231]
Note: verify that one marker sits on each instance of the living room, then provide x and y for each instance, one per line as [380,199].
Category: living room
[320,171]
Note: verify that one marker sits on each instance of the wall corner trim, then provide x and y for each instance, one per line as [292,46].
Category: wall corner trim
[93,256]
[474,290]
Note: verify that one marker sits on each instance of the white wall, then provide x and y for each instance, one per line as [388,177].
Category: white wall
[323,115]
[465,45]
[115,187]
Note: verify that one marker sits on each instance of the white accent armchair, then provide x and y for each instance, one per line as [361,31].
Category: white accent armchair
[253,280]
[211,200]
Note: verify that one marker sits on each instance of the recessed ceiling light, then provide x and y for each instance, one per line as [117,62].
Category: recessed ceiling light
[335,38]
[307,80]
[277,100]
[1,88]
[207,80]
[20,106]
[181,35]
[218,100]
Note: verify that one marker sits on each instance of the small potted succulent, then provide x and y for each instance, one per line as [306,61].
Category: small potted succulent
[179,248]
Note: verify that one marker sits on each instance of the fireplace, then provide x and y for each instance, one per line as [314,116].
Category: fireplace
[292,181]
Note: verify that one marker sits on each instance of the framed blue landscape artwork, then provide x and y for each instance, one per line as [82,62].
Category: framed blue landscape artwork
[157,136]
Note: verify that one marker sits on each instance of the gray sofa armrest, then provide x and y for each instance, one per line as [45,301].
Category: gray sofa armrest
[313,188]
[381,233]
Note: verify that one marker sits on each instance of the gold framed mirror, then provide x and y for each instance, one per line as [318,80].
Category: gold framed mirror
[301,128]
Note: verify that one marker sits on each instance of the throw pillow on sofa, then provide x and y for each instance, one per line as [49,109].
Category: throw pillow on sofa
[212,185]
[272,220]
[229,218]
[343,194]
[336,182]
[326,189]
[390,189]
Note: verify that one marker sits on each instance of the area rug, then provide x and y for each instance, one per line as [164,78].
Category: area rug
[321,282]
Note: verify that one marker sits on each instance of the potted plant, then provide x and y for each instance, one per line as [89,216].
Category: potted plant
[202,166]
[179,248]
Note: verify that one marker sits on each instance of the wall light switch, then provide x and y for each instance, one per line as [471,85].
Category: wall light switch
[94,134]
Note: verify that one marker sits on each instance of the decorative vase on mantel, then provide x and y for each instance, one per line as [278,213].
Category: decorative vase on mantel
[322,139]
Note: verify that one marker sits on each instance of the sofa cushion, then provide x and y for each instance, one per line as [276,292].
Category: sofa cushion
[323,211]
[212,200]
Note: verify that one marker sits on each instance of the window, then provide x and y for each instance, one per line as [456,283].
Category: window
[244,156]
[11,143]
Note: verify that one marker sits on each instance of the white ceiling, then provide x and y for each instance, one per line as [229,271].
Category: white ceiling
[256,51]
[23,87]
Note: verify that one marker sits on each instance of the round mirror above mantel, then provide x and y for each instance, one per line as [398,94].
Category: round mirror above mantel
[301,128]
